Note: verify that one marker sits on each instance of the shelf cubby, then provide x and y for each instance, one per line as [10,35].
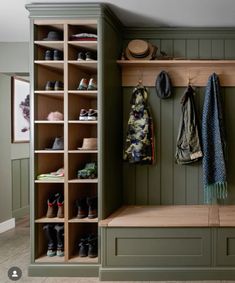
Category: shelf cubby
[41,30]
[40,50]
[85,26]
[46,134]
[45,104]
[75,47]
[50,44]
[44,74]
[76,232]
[46,163]
[42,193]
[78,162]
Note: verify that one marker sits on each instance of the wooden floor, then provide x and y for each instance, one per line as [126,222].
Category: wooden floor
[14,251]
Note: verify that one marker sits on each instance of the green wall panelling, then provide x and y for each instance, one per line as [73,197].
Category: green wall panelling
[229,48]
[205,49]
[217,49]
[179,48]
[20,187]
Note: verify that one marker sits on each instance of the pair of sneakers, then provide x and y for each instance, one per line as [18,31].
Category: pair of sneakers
[53,55]
[88,115]
[85,85]
[51,85]
[86,56]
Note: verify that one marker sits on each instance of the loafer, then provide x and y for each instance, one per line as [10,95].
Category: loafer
[48,55]
[92,84]
[57,55]
[81,56]
[58,85]
[83,84]
[49,85]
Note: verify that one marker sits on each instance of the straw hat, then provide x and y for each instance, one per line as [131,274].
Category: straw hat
[89,144]
[138,49]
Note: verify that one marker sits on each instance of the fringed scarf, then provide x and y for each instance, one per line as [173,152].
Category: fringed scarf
[213,144]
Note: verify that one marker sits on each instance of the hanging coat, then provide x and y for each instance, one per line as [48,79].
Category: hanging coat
[188,147]
[213,142]
[139,139]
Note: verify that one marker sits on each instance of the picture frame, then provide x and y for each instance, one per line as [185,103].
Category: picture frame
[20,95]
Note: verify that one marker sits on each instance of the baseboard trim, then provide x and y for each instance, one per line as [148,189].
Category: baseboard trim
[21,212]
[166,274]
[7,225]
[63,270]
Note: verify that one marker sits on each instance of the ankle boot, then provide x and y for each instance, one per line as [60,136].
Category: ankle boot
[60,204]
[51,239]
[82,208]
[83,247]
[92,207]
[51,206]
[92,246]
[59,228]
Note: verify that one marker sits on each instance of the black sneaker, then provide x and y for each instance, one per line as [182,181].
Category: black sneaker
[92,115]
[57,55]
[81,56]
[49,85]
[48,55]
[90,56]
[83,115]
[58,85]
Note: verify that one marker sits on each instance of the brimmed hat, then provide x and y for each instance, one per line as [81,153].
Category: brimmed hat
[89,144]
[138,49]
[53,35]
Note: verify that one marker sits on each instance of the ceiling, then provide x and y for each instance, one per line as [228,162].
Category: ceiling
[14,24]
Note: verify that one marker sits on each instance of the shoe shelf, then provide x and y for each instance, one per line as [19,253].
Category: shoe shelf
[57,65]
[89,94]
[49,220]
[48,122]
[89,66]
[82,122]
[47,259]
[90,45]
[48,151]
[83,260]
[83,181]
[83,220]
[50,44]
[49,181]
[83,151]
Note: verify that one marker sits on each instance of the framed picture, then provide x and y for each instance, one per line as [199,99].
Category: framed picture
[20,110]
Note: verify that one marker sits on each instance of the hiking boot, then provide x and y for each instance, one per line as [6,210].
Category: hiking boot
[58,85]
[51,239]
[48,55]
[92,84]
[60,204]
[92,207]
[83,84]
[83,115]
[92,246]
[49,85]
[57,55]
[59,228]
[52,206]
[83,247]
[81,56]
[92,115]
[82,208]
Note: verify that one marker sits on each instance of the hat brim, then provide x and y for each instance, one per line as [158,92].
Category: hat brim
[151,55]
[82,148]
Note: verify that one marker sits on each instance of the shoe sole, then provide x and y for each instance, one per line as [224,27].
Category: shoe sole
[83,118]
[92,118]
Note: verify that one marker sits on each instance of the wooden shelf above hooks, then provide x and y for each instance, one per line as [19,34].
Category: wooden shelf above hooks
[180,71]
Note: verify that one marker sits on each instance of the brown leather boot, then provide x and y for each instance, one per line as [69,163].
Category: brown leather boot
[82,208]
[92,207]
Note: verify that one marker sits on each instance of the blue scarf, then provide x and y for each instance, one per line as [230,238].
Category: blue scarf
[213,144]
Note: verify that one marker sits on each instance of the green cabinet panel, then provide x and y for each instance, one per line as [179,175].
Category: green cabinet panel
[158,247]
[225,246]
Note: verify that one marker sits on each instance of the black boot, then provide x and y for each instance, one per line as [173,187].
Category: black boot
[60,239]
[92,246]
[51,239]
[92,207]
[82,208]
[83,247]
